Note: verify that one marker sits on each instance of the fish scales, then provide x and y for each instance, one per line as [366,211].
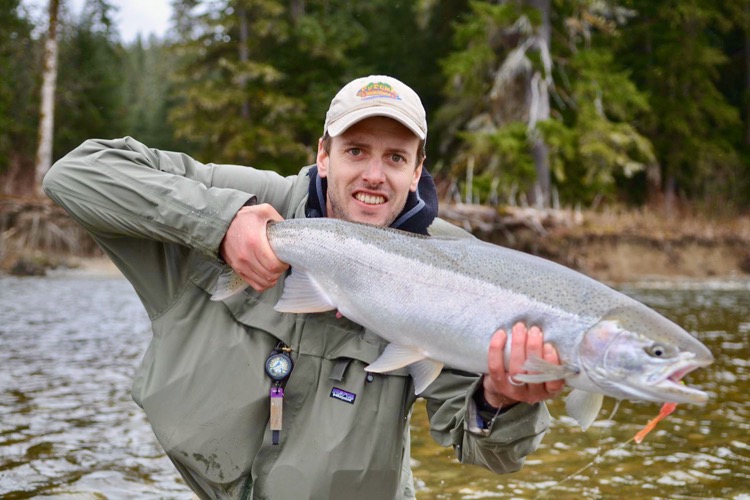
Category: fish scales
[438,302]
[371,270]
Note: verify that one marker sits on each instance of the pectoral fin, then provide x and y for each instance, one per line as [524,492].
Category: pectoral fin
[423,370]
[303,295]
[584,406]
[395,357]
[543,371]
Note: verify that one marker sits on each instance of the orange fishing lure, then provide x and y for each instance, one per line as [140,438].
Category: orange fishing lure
[666,410]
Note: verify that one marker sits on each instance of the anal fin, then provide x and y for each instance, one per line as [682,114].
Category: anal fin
[584,406]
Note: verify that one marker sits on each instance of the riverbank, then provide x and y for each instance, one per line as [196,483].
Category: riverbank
[618,245]
[609,245]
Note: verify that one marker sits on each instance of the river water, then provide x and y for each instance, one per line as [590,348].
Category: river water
[69,429]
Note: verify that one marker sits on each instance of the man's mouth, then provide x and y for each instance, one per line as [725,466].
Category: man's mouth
[370,199]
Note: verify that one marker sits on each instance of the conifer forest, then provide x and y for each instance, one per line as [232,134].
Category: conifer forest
[558,102]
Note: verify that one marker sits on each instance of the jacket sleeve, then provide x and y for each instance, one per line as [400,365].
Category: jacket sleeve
[454,421]
[150,209]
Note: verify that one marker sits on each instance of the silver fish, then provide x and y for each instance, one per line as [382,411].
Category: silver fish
[438,302]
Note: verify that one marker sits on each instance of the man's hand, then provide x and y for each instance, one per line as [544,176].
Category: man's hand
[500,388]
[246,248]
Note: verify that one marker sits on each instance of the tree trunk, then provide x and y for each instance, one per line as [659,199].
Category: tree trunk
[746,12]
[653,184]
[296,10]
[244,56]
[540,109]
[670,195]
[656,191]
[47,108]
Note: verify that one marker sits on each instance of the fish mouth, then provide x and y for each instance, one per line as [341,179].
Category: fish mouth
[671,389]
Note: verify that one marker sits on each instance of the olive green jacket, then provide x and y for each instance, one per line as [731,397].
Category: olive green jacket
[161,216]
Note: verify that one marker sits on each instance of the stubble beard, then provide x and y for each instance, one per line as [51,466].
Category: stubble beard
[336,207]
[338,211]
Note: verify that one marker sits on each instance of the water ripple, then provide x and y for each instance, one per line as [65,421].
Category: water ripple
[68,426]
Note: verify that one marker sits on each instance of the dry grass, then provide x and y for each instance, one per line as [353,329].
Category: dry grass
[648,224]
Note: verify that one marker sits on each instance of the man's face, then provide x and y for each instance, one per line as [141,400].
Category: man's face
[371,168]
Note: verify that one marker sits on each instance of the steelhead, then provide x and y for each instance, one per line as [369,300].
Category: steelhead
[438,302]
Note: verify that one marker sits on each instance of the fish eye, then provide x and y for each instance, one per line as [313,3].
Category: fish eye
[659,351]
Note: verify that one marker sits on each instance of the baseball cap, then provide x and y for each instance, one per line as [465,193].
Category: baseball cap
[376,95]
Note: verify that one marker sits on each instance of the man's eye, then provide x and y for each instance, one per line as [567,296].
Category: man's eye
[355,151]
[397,158]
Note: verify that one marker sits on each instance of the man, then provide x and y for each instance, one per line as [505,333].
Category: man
[170,223]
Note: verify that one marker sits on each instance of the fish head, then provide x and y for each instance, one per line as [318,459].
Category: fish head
[635,353]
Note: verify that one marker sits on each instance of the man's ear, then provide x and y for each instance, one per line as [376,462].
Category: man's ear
[417,175]
[322,159]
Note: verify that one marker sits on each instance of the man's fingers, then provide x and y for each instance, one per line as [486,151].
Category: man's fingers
[257,281]
[247,250]
[268,261]
[550,354]
[496,360]
[264,254]
[534,343]
[535,348]
[517,349]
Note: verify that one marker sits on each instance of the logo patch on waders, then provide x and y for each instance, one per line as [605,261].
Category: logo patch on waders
[342,395]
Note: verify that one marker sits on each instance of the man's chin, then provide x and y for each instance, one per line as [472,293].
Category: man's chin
[375,219]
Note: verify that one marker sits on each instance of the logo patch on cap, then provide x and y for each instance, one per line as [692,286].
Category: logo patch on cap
[374,90]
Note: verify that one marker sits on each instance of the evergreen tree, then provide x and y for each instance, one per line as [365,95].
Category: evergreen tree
[18,96]
[674,55]
[148,83]
[493,97]
[215,88]
[735,86]
[594,136]
[257,77]
[91,80]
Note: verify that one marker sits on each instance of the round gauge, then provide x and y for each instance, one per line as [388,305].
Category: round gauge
[278,366]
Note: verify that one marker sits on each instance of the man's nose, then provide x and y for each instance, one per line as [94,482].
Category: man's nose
[375,172]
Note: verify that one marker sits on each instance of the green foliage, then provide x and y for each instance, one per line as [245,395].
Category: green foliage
[635,86]
[246,110]
[90,88]
[595,140]
[17,98]
[504,157]
[262,100]
[148,86]
[675,56]
[590,136]
[469,66]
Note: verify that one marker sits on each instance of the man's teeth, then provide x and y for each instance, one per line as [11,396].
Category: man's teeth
[369,199]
